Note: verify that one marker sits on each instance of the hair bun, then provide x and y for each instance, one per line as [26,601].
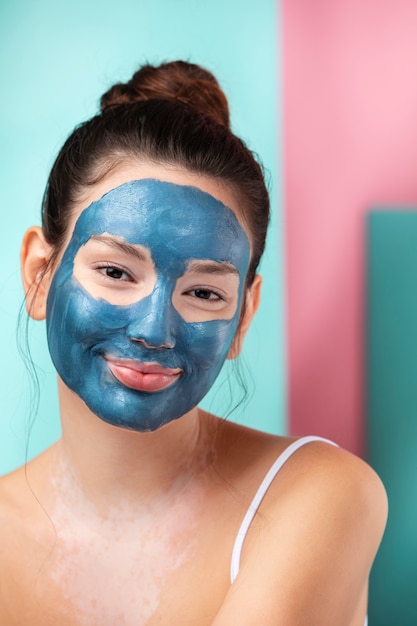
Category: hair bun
[177,80]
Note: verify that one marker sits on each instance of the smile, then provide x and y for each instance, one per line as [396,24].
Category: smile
[143,376]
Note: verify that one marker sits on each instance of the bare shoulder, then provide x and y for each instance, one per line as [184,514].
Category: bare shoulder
[20,511]
[309,551]
[309,468]
[330,463]
[355,492]
[16,509]
[12,514]
[344,481]
[330,486]
[11,490]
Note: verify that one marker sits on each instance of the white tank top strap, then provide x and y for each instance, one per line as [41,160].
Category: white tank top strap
[262,490]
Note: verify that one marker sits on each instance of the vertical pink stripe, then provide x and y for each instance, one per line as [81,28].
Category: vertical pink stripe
[350,143]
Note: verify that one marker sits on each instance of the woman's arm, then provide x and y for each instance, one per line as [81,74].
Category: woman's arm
[307,557]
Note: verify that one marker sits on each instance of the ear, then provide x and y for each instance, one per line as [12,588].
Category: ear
[253,297]
[34,256]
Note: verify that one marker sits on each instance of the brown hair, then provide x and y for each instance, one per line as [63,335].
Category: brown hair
[180,81]
[174,113]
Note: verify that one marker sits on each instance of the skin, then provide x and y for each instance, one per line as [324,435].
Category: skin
[110,526]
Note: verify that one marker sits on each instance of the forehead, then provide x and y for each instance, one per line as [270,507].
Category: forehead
[166,217]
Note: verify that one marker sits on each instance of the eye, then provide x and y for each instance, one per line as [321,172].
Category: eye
[115,273]
[205,294]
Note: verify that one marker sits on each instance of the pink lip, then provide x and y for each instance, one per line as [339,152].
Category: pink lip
[143,376]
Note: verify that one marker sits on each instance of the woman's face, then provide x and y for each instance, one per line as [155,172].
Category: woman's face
[144,304]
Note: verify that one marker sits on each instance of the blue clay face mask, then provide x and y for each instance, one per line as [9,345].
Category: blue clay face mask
[145,303]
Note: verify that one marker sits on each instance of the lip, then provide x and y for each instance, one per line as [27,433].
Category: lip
[143,375]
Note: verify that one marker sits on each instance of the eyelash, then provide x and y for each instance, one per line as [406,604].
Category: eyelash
[111,266]
[102,267]
[217,297]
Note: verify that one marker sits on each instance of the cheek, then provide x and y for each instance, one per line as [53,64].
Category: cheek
[208,343]
[66,325]
[75,320]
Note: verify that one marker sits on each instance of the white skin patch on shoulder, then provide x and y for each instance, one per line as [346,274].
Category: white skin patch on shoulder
[113,568]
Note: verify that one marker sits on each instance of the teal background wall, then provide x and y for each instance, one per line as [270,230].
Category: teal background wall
[392,409]
[56,58]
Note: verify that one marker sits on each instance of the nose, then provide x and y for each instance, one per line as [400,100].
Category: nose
[153,320]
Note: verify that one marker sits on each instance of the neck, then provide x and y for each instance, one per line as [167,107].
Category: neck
[105,464]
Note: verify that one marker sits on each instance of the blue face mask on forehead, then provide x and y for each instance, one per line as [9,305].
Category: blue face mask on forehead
[177,225]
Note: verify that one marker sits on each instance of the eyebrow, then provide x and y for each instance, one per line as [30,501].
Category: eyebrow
[212,267]
[121,246]
[206,266]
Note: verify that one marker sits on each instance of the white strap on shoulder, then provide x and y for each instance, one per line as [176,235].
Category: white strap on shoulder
[263,488]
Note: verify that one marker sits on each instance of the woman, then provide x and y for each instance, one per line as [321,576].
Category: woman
[154,222]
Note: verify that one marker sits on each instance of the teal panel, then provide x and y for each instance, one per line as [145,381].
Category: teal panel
[392,409]
[56,58]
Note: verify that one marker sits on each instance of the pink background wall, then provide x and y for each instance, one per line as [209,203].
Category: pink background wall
[350,143]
